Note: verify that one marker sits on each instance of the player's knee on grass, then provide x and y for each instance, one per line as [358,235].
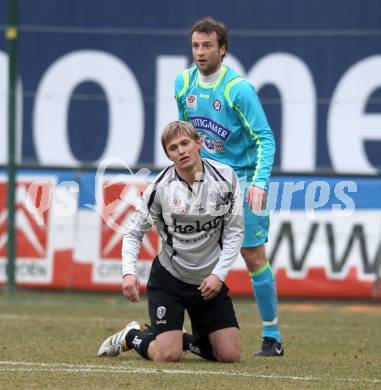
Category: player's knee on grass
[227,355]
[168,355]
[168,347]
[226,345]
[171,356]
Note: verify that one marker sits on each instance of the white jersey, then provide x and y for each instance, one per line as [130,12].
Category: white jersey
[201,227]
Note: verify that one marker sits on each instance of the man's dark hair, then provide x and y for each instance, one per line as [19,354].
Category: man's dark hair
[208,25]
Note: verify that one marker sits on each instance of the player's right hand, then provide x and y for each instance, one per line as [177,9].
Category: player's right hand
[130,288]
[256,199]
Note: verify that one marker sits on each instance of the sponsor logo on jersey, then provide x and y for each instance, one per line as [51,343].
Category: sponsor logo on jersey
[178,208]
[217,105]
[214,196]
[192,101]
[208,143]
[197,226]
[222,200]
[207,124]
[218,145]
[211,146]
[218,198]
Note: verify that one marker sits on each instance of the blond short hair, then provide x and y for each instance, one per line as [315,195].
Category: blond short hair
[173,129]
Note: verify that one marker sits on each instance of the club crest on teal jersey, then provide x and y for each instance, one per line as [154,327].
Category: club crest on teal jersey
[192,101]
[217,105]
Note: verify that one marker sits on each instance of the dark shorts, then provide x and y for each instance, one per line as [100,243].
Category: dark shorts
[168,298]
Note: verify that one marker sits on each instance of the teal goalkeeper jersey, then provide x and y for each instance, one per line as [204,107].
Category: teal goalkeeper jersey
[231,122]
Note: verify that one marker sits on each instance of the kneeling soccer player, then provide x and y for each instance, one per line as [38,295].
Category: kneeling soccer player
[196,205]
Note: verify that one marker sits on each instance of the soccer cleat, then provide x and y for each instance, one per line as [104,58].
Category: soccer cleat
[116,344]
[270,347]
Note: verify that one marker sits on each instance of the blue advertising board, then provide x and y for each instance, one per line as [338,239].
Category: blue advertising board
[96,78]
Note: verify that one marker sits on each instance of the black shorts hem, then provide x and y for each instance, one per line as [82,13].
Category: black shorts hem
[158,331]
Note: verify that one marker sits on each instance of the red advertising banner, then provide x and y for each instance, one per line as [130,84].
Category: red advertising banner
[44,234]
[98,266]
[69,235]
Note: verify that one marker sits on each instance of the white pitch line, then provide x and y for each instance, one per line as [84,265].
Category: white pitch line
[64,367]
[51,369]
[69,365]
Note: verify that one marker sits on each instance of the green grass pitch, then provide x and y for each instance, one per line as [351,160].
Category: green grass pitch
[50,340]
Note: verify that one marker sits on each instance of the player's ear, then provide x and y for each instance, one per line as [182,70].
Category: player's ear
[222,50]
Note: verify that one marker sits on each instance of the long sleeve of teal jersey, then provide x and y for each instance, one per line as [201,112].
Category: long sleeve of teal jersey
[253,118]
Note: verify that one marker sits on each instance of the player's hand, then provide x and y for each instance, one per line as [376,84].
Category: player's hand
[256,199]
[130,288]
[210,287]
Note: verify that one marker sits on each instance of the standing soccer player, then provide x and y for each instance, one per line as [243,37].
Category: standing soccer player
[196,205]
[227,113]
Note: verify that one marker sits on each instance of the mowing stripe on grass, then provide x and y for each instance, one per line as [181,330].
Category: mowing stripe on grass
[21,366]
[76,300]
[26,317]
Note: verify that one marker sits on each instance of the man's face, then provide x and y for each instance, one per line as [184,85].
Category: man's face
[207,55]
[184,151]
